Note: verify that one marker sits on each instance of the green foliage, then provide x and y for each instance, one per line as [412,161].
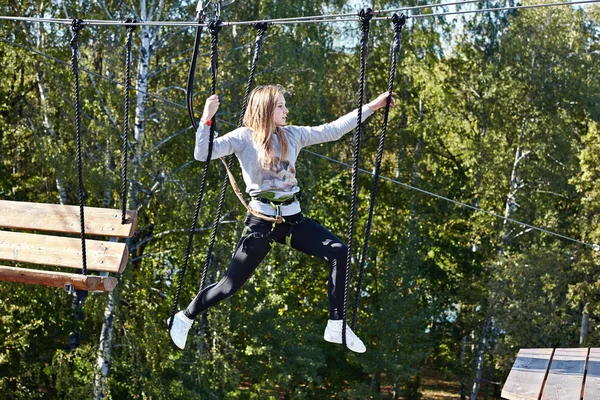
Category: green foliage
[494,107]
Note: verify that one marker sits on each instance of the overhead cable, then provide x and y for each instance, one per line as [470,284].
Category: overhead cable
[331,18]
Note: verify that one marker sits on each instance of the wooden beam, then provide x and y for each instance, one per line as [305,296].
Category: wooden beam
[592,377]
[565,378]
[57,279]
[526,378]
[62,252]
[60,218]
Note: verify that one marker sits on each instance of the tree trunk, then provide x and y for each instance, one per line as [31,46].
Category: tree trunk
[143,69]
[463,387]
[480,360]
[585,324]
[396,395]
[145,53]
[46,121]
[103,354]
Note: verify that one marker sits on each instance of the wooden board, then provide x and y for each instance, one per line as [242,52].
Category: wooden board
[57,279]
[526,378]
[591,390]
[565,378]
[59,218]
[62,252]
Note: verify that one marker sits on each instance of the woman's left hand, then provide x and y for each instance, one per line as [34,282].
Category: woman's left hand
[381,100]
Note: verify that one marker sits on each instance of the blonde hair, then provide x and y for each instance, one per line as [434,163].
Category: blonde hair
[259,118]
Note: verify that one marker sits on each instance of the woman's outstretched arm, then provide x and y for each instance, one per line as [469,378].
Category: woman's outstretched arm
[309,135]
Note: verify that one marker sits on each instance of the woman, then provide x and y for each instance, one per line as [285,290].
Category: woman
[267,150]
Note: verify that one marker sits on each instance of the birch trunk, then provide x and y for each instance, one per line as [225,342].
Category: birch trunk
[480,360]
[585,324]
[46,121]
[515,185]
[463,387]
[147,37]
[103,355]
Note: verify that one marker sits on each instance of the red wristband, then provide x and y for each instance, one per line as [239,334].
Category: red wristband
[207,122]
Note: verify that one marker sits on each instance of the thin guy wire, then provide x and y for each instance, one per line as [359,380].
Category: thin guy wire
[365,19]
[398,22]
[297,20]
[76,27]
[594,246]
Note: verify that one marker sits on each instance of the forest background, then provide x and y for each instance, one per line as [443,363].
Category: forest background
[498,110]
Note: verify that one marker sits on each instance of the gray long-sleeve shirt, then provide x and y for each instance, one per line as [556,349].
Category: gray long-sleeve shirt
[281,178]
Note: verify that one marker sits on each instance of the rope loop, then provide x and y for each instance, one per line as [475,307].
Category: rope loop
[365,16]
[262,27]
[129,24]
[399,21]
[76,27]
[215,26]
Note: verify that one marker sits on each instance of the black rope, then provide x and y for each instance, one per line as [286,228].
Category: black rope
[214,27]
[130,29]
[261,29]
[365,20]
[190,82]
[76,27]
[398,22]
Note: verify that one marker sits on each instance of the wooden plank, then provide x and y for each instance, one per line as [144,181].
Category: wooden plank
[565,378]
[62,252]
[59,218]
[57,279]
[591,390]
[526,377]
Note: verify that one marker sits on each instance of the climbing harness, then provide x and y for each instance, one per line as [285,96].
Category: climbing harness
[398,22]
[269,198]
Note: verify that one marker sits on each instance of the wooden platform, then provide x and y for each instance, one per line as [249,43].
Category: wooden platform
[63,250]
[557,374]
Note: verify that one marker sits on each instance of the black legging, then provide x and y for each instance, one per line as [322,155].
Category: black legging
[308,236]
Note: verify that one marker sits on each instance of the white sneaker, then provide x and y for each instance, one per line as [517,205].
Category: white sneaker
[333,334]
[180,329]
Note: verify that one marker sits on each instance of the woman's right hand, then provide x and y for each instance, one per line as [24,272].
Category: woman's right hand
[210,107]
